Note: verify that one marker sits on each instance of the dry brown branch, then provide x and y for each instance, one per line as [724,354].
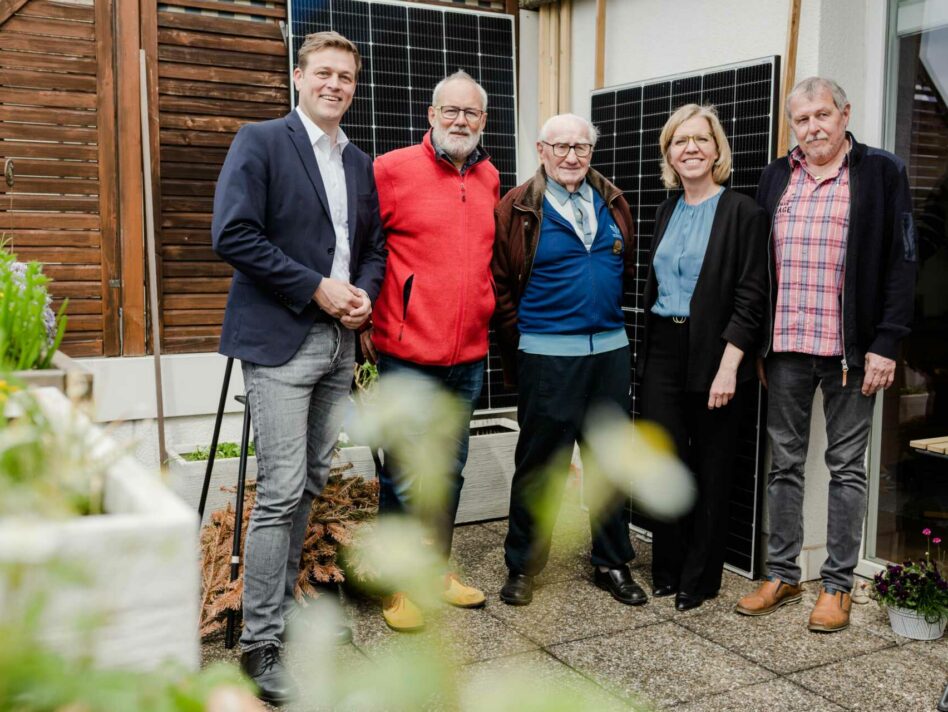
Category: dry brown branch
[344,504]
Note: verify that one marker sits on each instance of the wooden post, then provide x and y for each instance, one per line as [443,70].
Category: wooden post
[600,44]
[108,178]
[789,77]
[128,143]
[565,58]
[549,67]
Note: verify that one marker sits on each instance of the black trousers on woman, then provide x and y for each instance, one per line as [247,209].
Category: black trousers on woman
[556,394]
[689,553]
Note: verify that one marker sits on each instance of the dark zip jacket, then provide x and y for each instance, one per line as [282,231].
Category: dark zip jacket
[880,265]
[729,303]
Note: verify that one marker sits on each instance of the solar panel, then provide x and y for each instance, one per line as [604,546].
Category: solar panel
[630,118]
[407,49]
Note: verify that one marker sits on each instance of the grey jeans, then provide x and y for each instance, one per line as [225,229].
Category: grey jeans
[792,380]
[296,411]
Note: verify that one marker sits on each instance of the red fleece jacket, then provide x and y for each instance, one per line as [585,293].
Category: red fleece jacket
[438,295]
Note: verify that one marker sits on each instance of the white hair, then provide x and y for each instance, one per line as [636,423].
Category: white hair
[459,75]
[548,125]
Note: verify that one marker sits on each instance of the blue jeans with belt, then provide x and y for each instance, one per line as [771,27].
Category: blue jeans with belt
[396,486]
[297,411]
[792,379]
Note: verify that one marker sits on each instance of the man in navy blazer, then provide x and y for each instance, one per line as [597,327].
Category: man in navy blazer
[296,214]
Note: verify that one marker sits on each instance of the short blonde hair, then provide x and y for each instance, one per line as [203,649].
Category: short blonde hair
[722,166]
[327,40]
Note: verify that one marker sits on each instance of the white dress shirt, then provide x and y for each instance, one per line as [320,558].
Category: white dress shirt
[329,160]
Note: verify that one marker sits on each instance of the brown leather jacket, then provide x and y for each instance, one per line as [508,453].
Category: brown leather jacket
[518,217]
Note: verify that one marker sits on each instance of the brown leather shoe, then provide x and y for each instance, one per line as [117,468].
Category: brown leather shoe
[831,612]
[769,596]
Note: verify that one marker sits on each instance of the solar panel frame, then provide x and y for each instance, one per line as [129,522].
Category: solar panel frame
[628,154]
[392,113]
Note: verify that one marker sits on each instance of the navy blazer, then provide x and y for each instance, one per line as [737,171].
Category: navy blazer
[272,224]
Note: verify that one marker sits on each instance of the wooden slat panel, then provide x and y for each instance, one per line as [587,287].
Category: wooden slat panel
[221,58]
[60,99]
[255,10]
[193,317]
[195,301]
[51,45]
[194,236]
[174,344]
[49,62]
[209,41]
[25,184]
[76,290]
[245,109]
[189,253]
[202,123]
[196,171]
[49,28]
[72,203]
[30,79]
[12,220]
[198,269]
[213,156]
[176,203]
[197,285]
[60,169]
[195,138]
[84,323]
[82,348]
[61,11]
[219,25]
[45,115]
[181,87]
[80,306]
[39,132]
[187,187]
[222,75]
[26,149]
[53,238]
[60,255]
[74,273]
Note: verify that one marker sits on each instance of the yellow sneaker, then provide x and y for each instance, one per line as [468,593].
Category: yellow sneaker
[401,614]
[457,594]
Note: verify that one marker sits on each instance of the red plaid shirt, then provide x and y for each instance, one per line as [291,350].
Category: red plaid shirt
[810,231]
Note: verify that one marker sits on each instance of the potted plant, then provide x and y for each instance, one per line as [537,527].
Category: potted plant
[73,502]
[915,594]
[30,333]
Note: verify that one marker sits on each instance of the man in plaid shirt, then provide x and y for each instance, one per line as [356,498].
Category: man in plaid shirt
[843,275]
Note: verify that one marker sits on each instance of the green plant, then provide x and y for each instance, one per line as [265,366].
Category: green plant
[29,332]
[914,585]
[48,465]
[224,450]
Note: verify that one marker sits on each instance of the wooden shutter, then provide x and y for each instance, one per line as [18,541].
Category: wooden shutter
[55,128]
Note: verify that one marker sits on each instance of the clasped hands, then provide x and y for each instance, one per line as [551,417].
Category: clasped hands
[343,301]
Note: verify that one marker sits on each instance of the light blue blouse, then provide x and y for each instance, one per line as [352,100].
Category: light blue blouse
[679,257]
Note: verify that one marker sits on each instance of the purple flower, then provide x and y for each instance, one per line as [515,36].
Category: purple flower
[926,532]
[936,540]
[883,588]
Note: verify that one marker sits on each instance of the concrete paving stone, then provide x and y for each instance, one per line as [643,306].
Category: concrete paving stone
[778,695]
[530,672]
[569,610]
[732,588]
[478,558]
[664,663]
[464,635]
[894,680]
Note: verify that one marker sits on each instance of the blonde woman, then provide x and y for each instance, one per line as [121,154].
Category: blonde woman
[705,301]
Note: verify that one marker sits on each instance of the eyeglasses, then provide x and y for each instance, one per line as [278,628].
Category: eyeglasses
[701,140]
[452,112]
[561,150]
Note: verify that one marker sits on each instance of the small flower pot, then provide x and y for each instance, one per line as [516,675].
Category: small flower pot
[910,624]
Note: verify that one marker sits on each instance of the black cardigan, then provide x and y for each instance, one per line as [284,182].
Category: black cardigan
[729,303]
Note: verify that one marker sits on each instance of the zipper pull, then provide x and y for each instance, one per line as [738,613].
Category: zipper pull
[463,193]
[845,371]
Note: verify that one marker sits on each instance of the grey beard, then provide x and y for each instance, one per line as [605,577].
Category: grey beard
[458,150]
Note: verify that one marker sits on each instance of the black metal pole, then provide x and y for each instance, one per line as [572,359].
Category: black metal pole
[238,518]
[217,432]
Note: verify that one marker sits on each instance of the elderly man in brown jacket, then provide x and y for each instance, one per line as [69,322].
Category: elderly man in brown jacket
[563,256]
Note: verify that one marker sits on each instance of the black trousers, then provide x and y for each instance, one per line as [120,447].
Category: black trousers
[689,553]
[556,393]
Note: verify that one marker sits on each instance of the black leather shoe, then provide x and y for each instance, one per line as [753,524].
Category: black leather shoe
[619,583]
[666,589]
[518,590]
[687,601]
[265,667]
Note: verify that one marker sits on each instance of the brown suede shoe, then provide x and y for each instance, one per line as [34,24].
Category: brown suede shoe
[831,612]
[768,598]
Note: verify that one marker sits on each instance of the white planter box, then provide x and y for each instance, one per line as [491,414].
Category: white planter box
[186,478]
[489,470]
[140,578]
[64,374]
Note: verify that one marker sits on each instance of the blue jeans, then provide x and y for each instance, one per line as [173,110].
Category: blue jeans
[792,380]
[297,411]
[396,486]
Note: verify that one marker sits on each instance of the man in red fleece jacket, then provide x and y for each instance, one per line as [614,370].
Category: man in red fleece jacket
[437,203]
